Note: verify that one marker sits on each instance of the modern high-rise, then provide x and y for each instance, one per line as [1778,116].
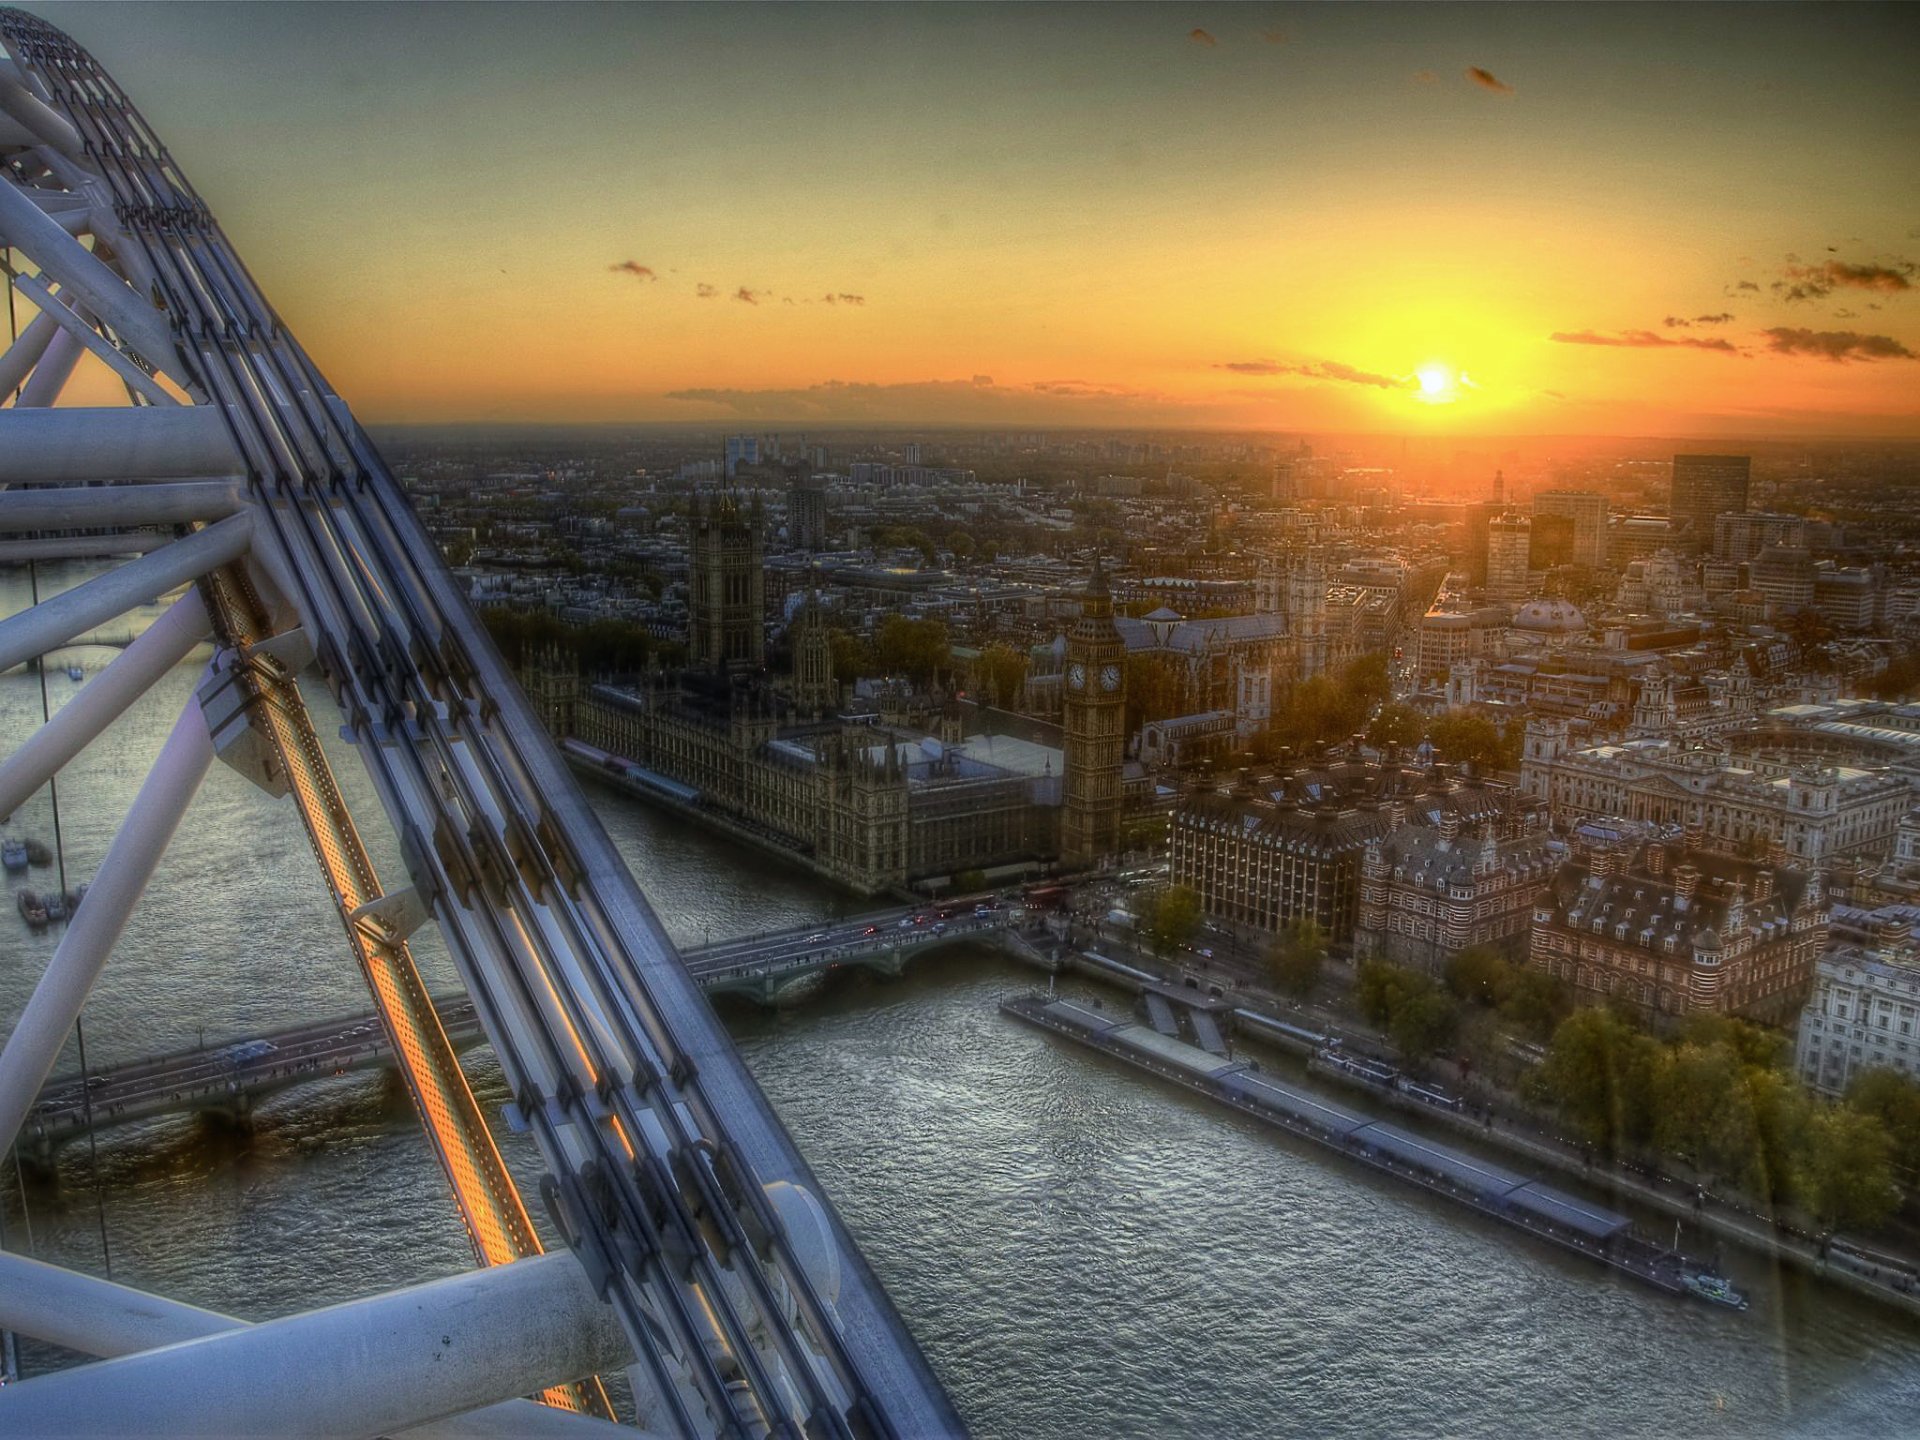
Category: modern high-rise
[806,513]
[1741,538]
[1509,545]
[742,450]
[912,453]
[1589,515]
[726,586]
[1706,486]
[1095,713]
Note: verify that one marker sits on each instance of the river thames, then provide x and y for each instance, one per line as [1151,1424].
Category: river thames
[1081,1251]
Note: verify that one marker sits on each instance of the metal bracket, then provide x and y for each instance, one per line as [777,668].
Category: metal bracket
[398,913]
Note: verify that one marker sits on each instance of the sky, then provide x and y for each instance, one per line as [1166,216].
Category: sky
[1633,219]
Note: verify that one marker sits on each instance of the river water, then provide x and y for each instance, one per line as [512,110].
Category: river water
[1081,1251]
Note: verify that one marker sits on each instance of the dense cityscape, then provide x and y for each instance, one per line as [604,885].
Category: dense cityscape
[939,720]
[1591,792]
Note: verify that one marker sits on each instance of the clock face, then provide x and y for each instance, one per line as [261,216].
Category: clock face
[1077,676]
[1110,677]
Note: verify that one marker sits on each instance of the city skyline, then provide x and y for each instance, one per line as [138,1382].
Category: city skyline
[1619,221]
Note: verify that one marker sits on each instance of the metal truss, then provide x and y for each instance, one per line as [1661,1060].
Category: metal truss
[705,1261]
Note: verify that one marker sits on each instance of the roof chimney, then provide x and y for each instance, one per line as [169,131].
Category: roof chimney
[1686,880]
[1657,859]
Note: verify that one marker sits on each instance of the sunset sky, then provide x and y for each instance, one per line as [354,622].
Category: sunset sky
[1697,220]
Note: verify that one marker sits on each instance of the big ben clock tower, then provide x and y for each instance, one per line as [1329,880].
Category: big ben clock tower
[1096,720]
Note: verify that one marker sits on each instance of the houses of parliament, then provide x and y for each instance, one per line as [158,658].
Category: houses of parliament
[875,792]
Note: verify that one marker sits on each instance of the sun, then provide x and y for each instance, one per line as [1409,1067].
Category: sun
[1438,385]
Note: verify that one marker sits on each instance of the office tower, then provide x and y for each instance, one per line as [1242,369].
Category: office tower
[1705,486]
[1589,515]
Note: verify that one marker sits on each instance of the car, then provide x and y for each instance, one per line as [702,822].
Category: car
[816,937]
[920,919]
[905,924]
[938,926]
[981,912]
[871,930]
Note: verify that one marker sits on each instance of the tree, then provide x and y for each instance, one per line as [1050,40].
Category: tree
[852,657]
[1894,1100]
[1424,1020]
[1367,680]
[1003,673]
[1601,1072]
[1170,919]
[1296,957]
[917,649]
[1465,737]
[970,882]
[1535,1003]
[960,543]
[1417,1015]
[1846,1178]
[1479,974]
[1397,725]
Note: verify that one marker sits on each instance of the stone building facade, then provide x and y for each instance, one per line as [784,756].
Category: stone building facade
[1673,932]
[1864,1013]
[1285,848]
[1743,794]
[1428,892]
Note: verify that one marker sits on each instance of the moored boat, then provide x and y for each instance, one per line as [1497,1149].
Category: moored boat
[1715,1289]
[31,910]
[13,853]
[75,673]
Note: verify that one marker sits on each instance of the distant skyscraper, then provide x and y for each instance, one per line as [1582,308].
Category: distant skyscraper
[913,452]
[817,456]
[1588,512]
[742,450]
[806,513]
[1705,486]
[1509,545]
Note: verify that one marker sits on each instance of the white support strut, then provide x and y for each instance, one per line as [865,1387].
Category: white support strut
[34,1045]
[36,630]
[97,1317]
[72,446]
[164,644]
[366,1368]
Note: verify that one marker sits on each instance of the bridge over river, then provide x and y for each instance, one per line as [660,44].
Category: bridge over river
[229,1077]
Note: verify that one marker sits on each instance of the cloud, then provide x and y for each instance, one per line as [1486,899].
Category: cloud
[749,297]
[1319,370]
[1836,345]
[635,269]
[842,298]
[1723,318]
[1816,282]
[1674,320]
[1425,77]
[1487,80]
[1202,37]
[1274,37]
[1747,285]
[1642,340]
[706,291]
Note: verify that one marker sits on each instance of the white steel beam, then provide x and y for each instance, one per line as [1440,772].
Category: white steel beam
[164,644]
[97,1317]
[82,547]
[86,277]
[81,507]
[50,376]
[47,125]
[73,445]
[19,358]
[80,330]
[365,1368]
[34,1045]
[51,623]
